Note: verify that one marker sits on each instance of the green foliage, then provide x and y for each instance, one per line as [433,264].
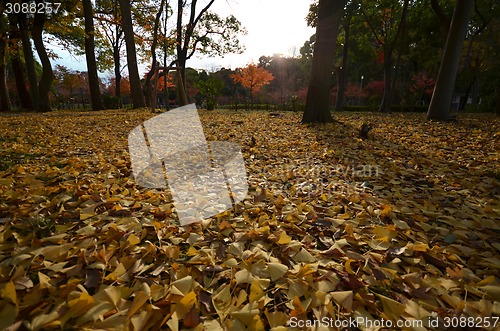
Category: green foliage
[210,89]
[67,27]
[216,35]
[312,15]
[111,101]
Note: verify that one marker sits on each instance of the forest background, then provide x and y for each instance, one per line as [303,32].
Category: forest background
[383,46]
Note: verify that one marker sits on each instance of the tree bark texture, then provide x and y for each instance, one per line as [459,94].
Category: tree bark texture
[440,105]
[47,76]
[148,85]
[17,65]
[4,91]
[343,71]
[133,71]
[30,62]
[317,108]
[95,91]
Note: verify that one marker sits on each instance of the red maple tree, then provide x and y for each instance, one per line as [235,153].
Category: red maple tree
[253,78]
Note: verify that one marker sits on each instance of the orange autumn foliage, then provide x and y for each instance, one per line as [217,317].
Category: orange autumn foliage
[170,82]
[253,77]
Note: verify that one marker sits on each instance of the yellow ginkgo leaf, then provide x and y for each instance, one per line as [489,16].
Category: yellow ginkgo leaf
[44,280]
[132,240]
[256,292]
[244,276]
[277,270]
[182,307]
[284,238]
[392,308]
[140,298]
[348,267]
[247,313]
[78,306]
[182,286]
[304,256]
[343,298]
[9,293]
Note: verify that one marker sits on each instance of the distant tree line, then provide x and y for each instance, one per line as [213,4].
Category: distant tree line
[438,53]
[382,54]
[113,35]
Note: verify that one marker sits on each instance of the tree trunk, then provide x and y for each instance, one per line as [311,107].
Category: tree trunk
[166,96]
[4,91]
[17,66]
[147,84]
[182,53]
[47,75]
[343,71]
[116,54]
[441,15]
[22,91]
[463,99]
[184,40]
[440,105]
[118,75]
[30,62]
[95,91]
[317,108]
[181,86]
[133,71]
[385,105]
[389,77]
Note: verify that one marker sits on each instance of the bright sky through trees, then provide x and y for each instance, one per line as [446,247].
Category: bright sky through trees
[274,26]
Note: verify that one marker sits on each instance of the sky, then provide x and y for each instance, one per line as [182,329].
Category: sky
[273,26]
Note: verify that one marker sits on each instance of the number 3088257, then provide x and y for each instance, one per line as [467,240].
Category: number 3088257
[32,7]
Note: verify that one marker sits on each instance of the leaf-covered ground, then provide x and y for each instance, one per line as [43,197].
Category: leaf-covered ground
[402,226]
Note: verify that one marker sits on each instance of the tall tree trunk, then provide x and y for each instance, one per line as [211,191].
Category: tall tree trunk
[330,14]
[95,91]
[440,105]
[463,99]
[389,84]
[47,75]
[4,91]
[385,105]
[441,15]
[30,62]
[165,53]
[343,71]
[135,80]
[118,75]
[184,39]
[22,91]
[116,54]
[154,44]
[181,52]
[17,66]
[181,86]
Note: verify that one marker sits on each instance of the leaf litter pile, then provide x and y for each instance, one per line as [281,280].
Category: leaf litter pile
[402,226]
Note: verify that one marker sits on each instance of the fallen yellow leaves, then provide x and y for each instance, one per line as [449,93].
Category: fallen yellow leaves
[333,227]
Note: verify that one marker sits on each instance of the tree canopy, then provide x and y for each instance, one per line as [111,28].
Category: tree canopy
[387,54]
